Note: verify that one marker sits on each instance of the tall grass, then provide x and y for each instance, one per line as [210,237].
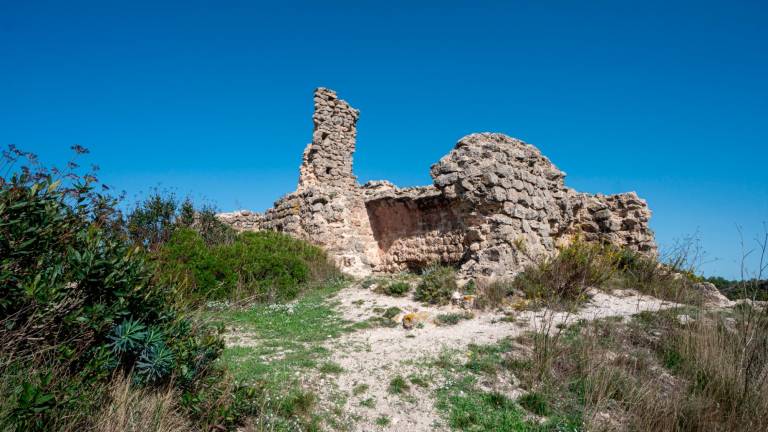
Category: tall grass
[132,409]
[569,274]
[708,372]
[713,376]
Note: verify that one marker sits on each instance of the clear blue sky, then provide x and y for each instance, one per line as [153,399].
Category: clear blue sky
[213,99]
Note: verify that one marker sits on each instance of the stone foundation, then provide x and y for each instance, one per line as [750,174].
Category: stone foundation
[496,204]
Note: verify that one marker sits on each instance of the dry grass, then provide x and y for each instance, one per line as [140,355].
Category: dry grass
[491,294]
[131,409]
[657,374]
[562,282]
[569,275]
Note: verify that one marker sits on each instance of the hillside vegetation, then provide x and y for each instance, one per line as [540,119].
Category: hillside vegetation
[98,310]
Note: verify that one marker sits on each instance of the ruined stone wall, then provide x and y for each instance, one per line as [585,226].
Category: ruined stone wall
[415,228]
[327,160]
[496,205]
[617,219]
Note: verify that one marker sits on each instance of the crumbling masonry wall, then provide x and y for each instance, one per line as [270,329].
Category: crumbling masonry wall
[496,204]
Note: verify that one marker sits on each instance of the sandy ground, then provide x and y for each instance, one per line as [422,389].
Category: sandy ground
[373,356]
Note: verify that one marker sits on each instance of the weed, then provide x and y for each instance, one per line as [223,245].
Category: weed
[368,403]
[368,282]
[392,312]
[451,318]
[534,402]
[383,421]
[470,409]
[437,285]
[398,385]
[331,368]
[397,289]
[492,294]
[567,276]
[360,389]
[418,380]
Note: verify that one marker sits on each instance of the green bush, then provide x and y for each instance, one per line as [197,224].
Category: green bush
[437,285]
[391,312]
[397,289]
[263,266]
[151,223]
[452,318]
[648,275]
[79,304]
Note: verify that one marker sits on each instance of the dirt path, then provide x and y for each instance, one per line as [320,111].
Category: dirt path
[372,357]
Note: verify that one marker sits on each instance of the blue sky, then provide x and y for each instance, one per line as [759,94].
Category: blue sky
[213,99]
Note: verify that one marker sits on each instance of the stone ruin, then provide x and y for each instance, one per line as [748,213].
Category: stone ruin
[496,204]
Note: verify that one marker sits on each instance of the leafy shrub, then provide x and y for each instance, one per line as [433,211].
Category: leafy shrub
[264,266]
[568,275]
[397,289]
[452,318]
[79,305]
[152,222]
[437,285]
[391,312]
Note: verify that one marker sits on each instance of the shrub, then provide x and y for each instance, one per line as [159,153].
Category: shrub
[753,289]
[568,275]
[391,312]
[79,305]
[262,266]
[437,285]
[451,318]
[492,294]
[397,289]
[662,280]
[154,220]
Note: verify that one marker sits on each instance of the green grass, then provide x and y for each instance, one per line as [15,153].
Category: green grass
[452,318]
[383,421]
[488,359]
[467,407]
[392,312]
[470,409]
[368,403]
[360,389]
[398,385]
[534,402]
[331,368]
[286,338]
[419,380]
[284,343]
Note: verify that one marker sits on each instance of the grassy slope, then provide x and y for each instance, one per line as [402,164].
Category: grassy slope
[283,339]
